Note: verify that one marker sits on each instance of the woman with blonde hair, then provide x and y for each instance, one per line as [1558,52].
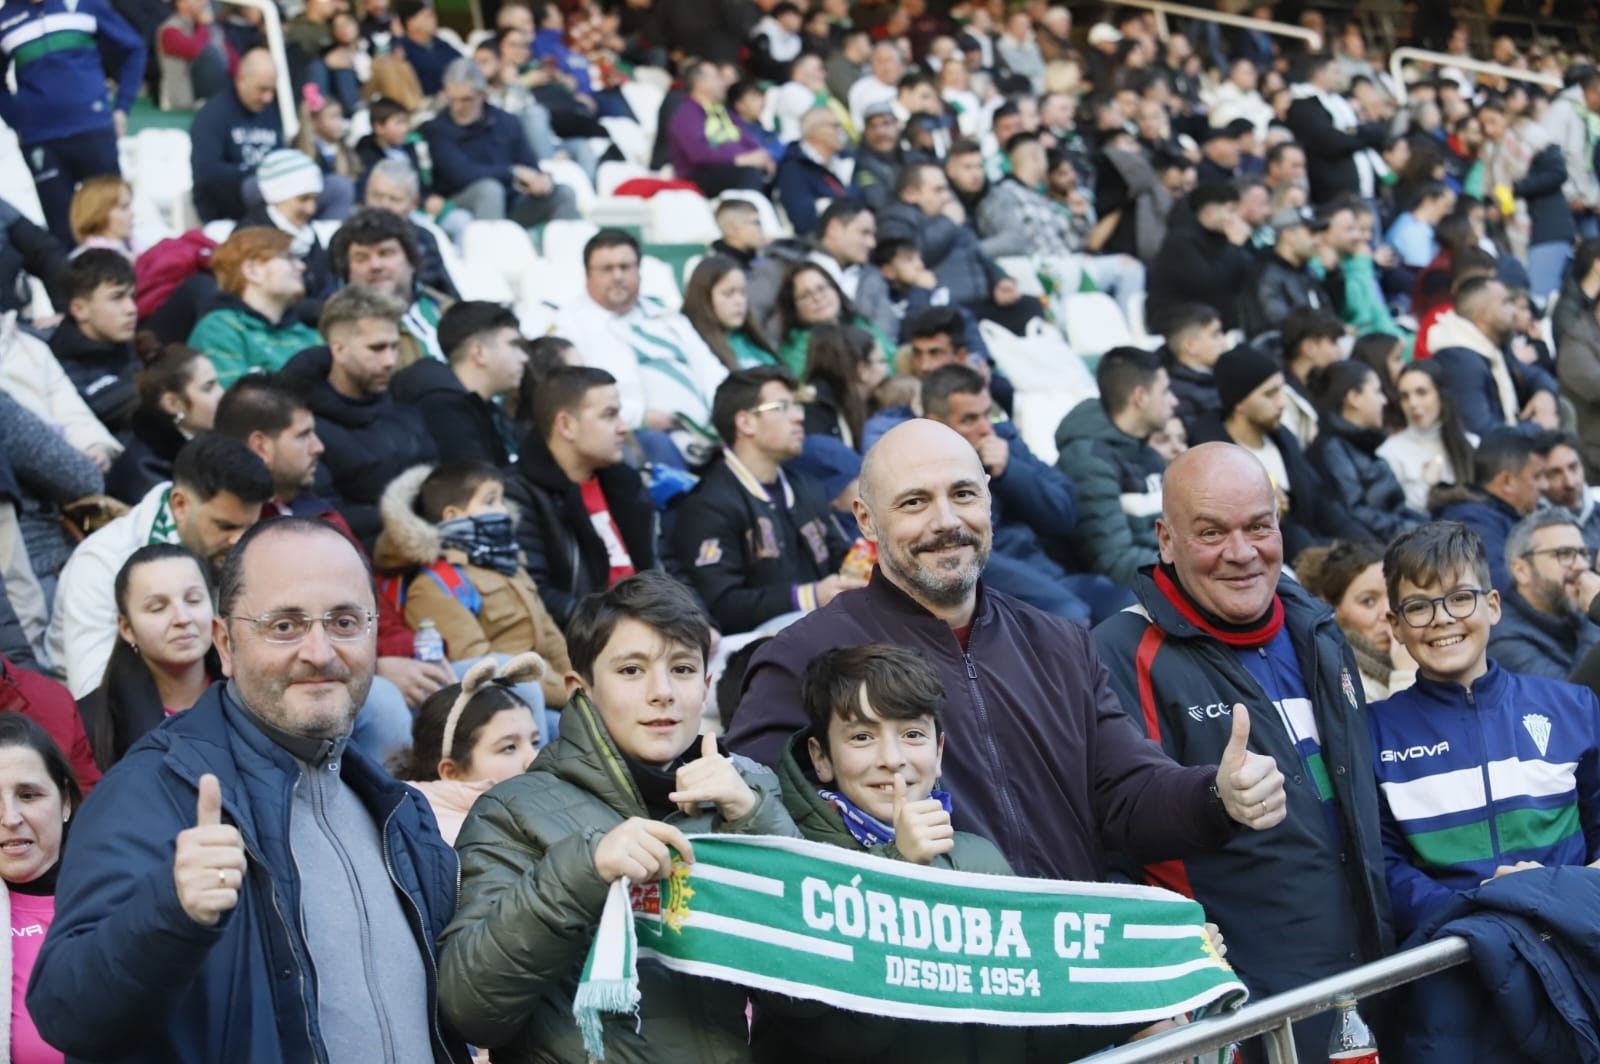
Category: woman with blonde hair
[101,215]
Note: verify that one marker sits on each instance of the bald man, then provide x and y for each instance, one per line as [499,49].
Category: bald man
[1217,630]
[1039,758]
[231,134]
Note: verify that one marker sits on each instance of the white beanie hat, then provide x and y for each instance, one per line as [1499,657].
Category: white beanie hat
[285,174]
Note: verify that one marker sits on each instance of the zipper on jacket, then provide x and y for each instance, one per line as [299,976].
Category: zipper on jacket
[311,1038]
[1488,789]
[1013,821]
[421,927]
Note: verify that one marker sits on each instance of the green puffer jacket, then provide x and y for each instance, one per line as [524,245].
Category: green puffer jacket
[791,1031]
[531,900]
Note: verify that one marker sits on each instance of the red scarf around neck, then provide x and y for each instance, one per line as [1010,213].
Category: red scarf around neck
[1247,637]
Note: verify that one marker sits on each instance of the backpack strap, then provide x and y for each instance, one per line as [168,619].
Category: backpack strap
[457,586]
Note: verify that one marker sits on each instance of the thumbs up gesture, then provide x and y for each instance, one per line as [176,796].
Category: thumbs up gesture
[713,779]
[922,829]
[1250,785]
[209,866]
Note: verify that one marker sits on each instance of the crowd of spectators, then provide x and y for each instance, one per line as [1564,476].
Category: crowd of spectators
[1334,470]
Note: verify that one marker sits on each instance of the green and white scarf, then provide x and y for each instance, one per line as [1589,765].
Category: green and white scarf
[901,940]
[164,529]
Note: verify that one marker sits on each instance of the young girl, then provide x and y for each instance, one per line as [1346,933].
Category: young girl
[470,736]
[1433,448]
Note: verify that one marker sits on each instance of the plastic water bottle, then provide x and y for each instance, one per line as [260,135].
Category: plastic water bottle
[1351,1041]
[428,644]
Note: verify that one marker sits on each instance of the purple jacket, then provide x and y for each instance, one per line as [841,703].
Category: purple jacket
[1039,756]
[687,147]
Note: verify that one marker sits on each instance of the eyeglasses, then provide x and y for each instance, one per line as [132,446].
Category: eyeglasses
[782,406]
[287,627]
[1564,556]
[1459,605]
[819,292]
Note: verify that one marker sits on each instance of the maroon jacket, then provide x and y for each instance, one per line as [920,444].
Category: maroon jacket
[1039,757]
[50,705]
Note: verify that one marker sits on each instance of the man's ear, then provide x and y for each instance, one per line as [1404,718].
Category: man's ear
[77,308]
[223,642]
[1164,540]
[574,684]
[820,761]
[863,518]
[178,499]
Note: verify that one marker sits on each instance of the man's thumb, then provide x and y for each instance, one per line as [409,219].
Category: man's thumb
[1239,741]
[899,794]
[208,808]
[708,745]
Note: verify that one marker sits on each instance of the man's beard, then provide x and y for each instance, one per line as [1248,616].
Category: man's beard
[943,586]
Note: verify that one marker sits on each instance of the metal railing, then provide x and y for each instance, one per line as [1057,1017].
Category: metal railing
[272,27]
[1163,8]
[1400,56]
[1274,1016]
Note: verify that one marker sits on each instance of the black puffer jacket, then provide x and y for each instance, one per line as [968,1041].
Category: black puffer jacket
[103,374]
[1199,265]
[562,551]
[147,459]
[1360,484]
[1277,288]
[464,426]
[369,442]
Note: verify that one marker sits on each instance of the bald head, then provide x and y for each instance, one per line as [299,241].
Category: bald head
[256,81]
[1195,472]
[1219,531]
[925,502]
[909,440]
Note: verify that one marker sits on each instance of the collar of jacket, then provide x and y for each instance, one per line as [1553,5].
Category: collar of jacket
[1366,440]
[1560,627]
[1487,690]
[886,595]
[587,756]
[1172,610]
[748,481]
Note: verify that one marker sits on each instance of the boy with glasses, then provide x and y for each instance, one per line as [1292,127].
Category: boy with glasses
[1544,627]
[1482,771]
[756,541]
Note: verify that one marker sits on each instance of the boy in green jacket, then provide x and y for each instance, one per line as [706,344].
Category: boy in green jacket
[863,776]
[629,778]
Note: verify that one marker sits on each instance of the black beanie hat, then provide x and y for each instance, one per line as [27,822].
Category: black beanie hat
[1240,372]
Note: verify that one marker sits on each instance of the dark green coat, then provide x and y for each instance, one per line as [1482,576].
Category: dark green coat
[790,1031]
[1104,464]
[531,900]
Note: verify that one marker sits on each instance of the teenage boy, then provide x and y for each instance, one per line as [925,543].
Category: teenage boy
[95,343]
[1482,772]
[629,778]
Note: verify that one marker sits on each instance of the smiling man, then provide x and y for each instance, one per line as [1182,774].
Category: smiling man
[295,915]
[1217,632]
[1039,757]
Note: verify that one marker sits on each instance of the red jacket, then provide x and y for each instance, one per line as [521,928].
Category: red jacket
[161,269]
[50,705]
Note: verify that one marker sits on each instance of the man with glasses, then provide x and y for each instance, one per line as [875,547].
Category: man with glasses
[1223,643]
[1544,627]
[1483,771]
[665,373]
[814,169]
[294,915]
[756,541]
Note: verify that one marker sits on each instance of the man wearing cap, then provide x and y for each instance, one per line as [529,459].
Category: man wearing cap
[1252,390]
[1284,280]
[1220,157]
[1203,258]
[290,183]
[879,157]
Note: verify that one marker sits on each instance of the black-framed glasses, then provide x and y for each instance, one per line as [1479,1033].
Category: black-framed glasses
[1564,556]
[286,627]
[1459,605]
